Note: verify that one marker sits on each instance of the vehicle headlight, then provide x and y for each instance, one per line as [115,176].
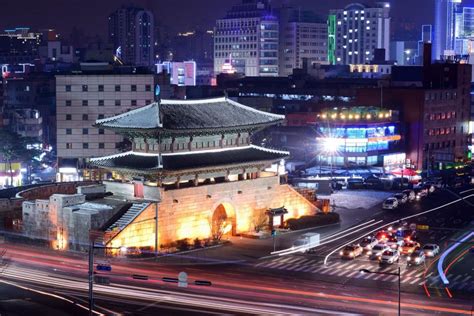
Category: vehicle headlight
[430,253]
[341,253]
[417,260]
[369,252]
[351,254]
[408,259]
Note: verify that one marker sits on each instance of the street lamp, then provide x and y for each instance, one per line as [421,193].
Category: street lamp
[92,246]
[389,273]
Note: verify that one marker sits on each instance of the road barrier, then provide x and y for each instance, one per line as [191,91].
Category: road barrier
[170,280]
[140,277]
[203,283]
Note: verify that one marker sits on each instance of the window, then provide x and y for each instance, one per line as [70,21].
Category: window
[117,102]
[134,87]
[68,146]
[68,102]
[134,102]
[101,102]
[148,101]
[85,117]
[85,103]
[68,131]
[100,116]
[85,145]
[101,146]
[117,88]
[85,88]
[101,131]
[68,88]
[68,117]
[85,131]
[147,87]
[101,88]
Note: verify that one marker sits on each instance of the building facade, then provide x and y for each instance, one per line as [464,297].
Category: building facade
[132,32]
[358,136]
[356,31]
[196,162]
[246,40]
[83,98]
[303,36]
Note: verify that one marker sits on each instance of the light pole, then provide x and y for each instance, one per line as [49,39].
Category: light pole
[398,274]
[92,246]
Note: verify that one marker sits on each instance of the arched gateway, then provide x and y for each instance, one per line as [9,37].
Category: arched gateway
[223,221]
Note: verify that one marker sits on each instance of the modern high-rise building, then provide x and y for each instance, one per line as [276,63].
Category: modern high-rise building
[246,40]
[303,36]
[426,37]
[131,31]
[356,31]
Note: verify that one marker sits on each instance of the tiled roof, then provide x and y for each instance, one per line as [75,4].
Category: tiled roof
[189,160]
[179,115]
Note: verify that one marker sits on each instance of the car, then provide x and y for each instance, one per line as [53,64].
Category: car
[438,184]
[431,250]
[421,193]
[410,194]
[409,247]
[401,197]
[382,236]
[429,187]
[355,183]
[351,252]
[376,252]
[390,256]
[417,257]
[390,203]
[368,242]
[393,242]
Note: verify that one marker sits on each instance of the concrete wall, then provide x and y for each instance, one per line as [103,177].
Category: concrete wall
[187,213]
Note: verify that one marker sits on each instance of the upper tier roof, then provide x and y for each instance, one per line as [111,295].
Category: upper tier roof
[195,115]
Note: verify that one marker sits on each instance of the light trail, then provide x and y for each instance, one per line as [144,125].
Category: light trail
[396,221]
[290,251]
[441,273]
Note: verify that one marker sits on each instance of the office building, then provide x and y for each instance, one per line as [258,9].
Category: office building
[303,36]
[181,73]
[246,40]
[19,45]
[84,96]
[356,31]
[131,31]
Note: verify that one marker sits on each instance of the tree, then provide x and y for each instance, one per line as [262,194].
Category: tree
[14,147]
[260,220]
[219,223]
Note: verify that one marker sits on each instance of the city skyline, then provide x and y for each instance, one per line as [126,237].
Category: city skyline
[40,16]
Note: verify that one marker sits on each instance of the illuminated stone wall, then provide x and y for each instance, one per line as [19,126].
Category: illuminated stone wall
[187,213]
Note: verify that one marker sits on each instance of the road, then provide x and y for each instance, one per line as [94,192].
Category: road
[290,284]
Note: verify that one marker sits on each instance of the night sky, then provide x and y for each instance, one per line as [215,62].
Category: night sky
[176,15]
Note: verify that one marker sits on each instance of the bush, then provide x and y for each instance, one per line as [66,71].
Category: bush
[319,219]
[197,243]
[182,244]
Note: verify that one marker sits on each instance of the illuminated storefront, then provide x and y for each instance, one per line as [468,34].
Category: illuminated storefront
[10,174]
[357,136]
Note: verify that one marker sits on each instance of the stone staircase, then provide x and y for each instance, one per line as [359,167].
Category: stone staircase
[126,218]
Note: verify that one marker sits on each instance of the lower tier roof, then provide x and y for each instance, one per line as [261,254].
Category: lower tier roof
[175,162]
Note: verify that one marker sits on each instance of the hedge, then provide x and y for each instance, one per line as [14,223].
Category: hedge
[319,219]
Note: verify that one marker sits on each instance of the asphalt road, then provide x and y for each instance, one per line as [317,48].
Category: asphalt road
[290,284]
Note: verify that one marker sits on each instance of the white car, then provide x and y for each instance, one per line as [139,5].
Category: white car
[390,256]
[376,252]
[368,242]
[431,250]
[401,197]
[390,203]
